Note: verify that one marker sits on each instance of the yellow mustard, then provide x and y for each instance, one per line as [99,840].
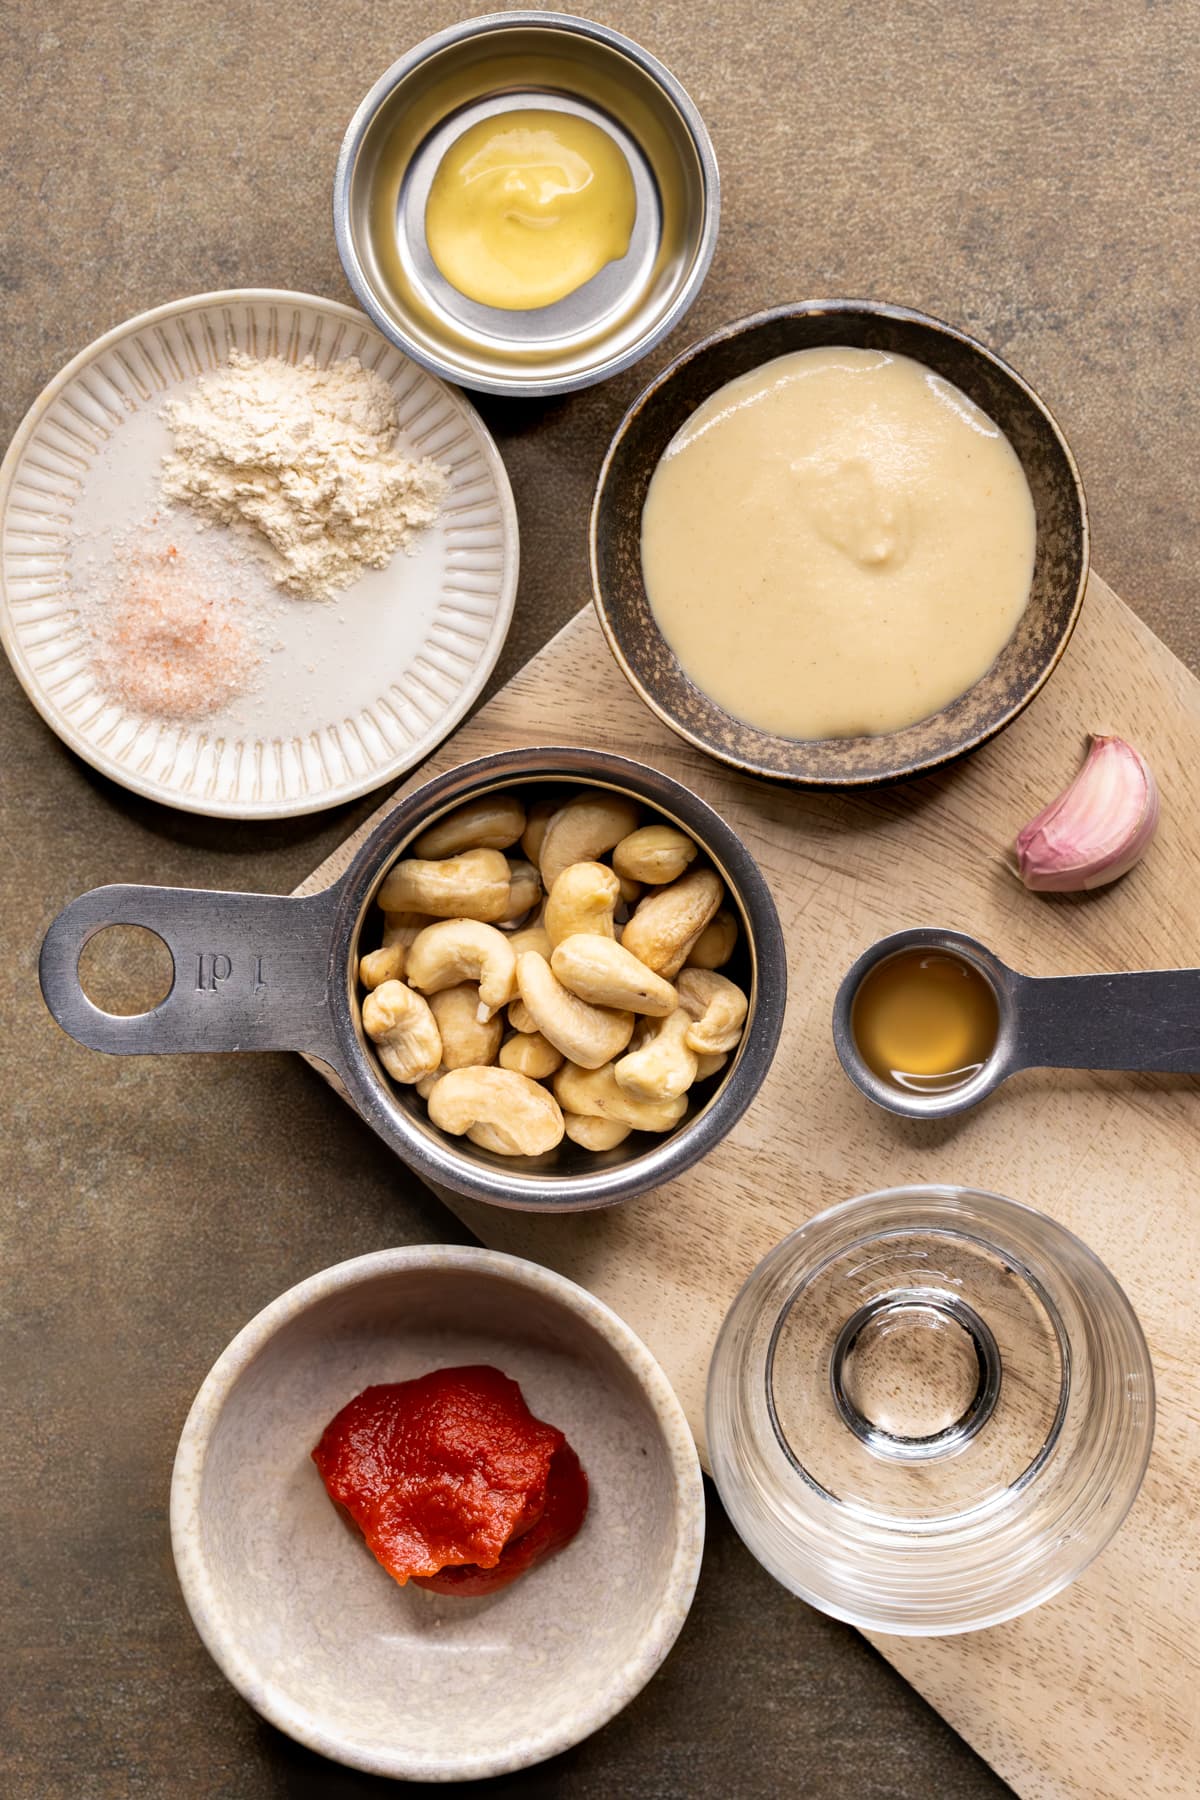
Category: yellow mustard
[527,206]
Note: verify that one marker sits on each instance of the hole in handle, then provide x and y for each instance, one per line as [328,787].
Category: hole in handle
[126,970]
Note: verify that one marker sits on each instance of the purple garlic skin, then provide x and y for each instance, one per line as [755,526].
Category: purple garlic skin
[1097,828]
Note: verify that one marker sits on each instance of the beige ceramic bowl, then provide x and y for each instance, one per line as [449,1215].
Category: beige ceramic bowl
[398,1681]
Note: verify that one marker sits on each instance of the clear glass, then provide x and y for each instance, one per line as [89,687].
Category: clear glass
[929,1409]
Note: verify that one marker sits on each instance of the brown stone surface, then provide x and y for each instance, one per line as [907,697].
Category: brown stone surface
[1023,169]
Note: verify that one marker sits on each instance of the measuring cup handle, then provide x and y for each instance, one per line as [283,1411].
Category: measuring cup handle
[252,971]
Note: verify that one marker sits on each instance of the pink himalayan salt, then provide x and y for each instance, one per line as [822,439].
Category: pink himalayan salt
[167,647]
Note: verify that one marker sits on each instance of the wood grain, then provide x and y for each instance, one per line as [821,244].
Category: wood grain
[1094,1694]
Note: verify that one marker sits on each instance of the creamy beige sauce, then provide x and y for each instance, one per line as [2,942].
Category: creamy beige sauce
[838,543]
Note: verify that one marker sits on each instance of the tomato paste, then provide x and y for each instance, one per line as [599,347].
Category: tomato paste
[451,1479]
[562,1515]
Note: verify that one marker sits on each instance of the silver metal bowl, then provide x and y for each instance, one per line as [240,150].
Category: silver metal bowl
[275,972]
[505,62]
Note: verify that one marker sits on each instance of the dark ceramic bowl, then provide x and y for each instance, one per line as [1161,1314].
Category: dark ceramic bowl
[1060,565]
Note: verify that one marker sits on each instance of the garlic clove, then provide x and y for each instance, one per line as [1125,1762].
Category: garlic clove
[1097,828]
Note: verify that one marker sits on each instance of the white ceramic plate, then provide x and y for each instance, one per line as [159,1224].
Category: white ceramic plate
[350,692]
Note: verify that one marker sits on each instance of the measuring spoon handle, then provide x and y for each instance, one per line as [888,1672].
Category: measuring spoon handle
[1149,1020]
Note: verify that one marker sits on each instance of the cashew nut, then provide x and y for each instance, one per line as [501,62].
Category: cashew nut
[717,1007]
[716,943]
[404,1031]
[584,829]
[497,1109]
[591,1132]
[602,972]
[457,950]
[467,1040]
[387,963]
[472,886]
[492,822]
[663,1068]
[529,1053]
[582,899]
[596,1092]
[631,893]
[402,927]
[582,956]
[524,891]
[533,936]
[521,1019]
[588,1035]
[654,854]
[384,964]
[668,922]
[537,819]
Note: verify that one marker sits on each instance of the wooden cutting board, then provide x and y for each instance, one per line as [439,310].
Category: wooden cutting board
[1095,1694]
